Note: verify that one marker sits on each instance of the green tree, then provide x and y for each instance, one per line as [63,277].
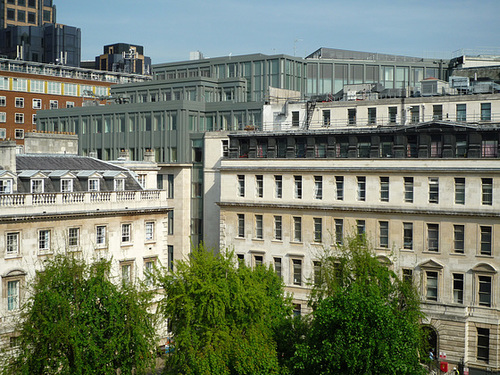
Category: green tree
[76,322]
[223,315]
[365,319]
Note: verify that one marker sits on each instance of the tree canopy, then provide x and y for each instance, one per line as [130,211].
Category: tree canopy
[223,315]
[76,322]
[365,319]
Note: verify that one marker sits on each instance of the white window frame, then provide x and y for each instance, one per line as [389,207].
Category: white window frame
[66,185]
[19,102]
[6,186]
[3,101]
[12,243]
[70,104]
[13,299]
[37,103]
[119,184]
[73,237]
[126,269]
[19,134]
[37,86]
[94,184]
[37,185]
[44,240]
[101,235]
[3,116]
[54,104]
[149,231]
[19,118]
[126,236]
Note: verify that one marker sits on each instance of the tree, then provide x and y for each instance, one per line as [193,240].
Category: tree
[78,322]
[365,319]
[223,315]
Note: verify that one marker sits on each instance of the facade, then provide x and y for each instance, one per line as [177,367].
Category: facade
[26,13]
[425,195]
[122,57]
[65,203]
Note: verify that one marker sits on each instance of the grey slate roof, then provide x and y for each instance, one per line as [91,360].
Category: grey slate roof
[59,162]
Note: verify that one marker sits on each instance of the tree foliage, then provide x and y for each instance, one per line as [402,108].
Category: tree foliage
[223,316]
[365,319]
[78,322]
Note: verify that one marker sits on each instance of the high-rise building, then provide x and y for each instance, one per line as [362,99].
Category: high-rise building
[26,13]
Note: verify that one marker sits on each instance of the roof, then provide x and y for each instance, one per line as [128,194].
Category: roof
[54,162]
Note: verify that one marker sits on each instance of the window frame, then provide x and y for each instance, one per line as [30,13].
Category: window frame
[44,238]
[126,233]
[12,243]
[278,228]
[73,237]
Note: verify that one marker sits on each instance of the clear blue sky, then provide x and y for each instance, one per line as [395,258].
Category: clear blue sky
[170,29]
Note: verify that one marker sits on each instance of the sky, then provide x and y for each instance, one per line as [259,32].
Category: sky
[170,29]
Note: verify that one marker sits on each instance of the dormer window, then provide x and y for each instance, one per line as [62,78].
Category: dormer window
[119,184]
[36,186]
[67,185]
[6,186]
[93,184]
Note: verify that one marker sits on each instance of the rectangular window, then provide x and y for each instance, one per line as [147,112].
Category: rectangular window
[93,184]
[241,185]
[259,186]
[73,237]
[297,271]
[19,134]
[433,237]
[393,114]
[407,275]
[317,272]
[54,104]
[295,118]
[339,186]
[126,273]
[170,186]
[458,288]
[437,112]
[298,187]
[66,185]
[258,227]
[100,235]
[149,266]
[297,229]
[12,243]
[37,86]
[459,190]
[433,190]
[384,189]
[318,187]
[326,117]
[170,260]
[6,186]
[278,234]
[489,148]
[3,116]
[241,225]
[408,236]
[119,184]
[459,239]
[485,111]
[149,230]
[432,285]
[277,266]
[13,295]
[70,104]
[351,116]
[44,240]
[126,232]
[339,231]
[484,291]
[360,227]
[258,260]
[372,116]
[278,187]
[19,118]
[487,191]
[19,103]
[3,99]
[383,233]
[486,240]
[170,223]
[361,188]
[483,344]
[318,229]
[461,112]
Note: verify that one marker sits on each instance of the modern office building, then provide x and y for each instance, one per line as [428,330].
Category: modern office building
[425,195]
[123,57]
[26,13]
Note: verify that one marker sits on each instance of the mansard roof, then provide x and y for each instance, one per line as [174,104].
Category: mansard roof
[54,162]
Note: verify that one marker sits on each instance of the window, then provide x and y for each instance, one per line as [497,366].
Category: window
[393,114]
[485,240]
[339,186]
[317,272]
[93,184]
[258,260]
[318,187]
[149,230]
[3,100]
[170,223]
[437,112]
[458,239]
[297,271]
[241,185]
[432,285]
[44,240]
[278,234]
[70,104]
[298,187]
[19,103]
[13,295]
[295,118]
[66,185]
[6,186]
[384,189]
[126,232]
[372,116]
[126,272]
[259,185]
[258,226]
[483,344]
[351,115]
[54,88]
[37,86]
[170,252]
[19,133]
[31,18]
[487,191]
[461,112]
[277,266]
[119,184]
[19,84]
[339,231]
[484,290]
[3,116]
[408,275]
[361,188]
[489,148]
[278,187]
[360,226]
[485,111]
[458,288]
[408,236]
[149,266]
[54,104]
[12,241]
[297,309]
[241,225]
[36,186]
[19,118]
[433,190]
[326,117]
[100,238]
[383,234]
[73,237]
[461,146]
[318,229]
[433,237]
[297,229]
[170,186]
[225,147]
[459,190]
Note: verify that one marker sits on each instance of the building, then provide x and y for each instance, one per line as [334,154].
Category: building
[64,203]
[27,87]
[123,57]
[426,196]
[26,13]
